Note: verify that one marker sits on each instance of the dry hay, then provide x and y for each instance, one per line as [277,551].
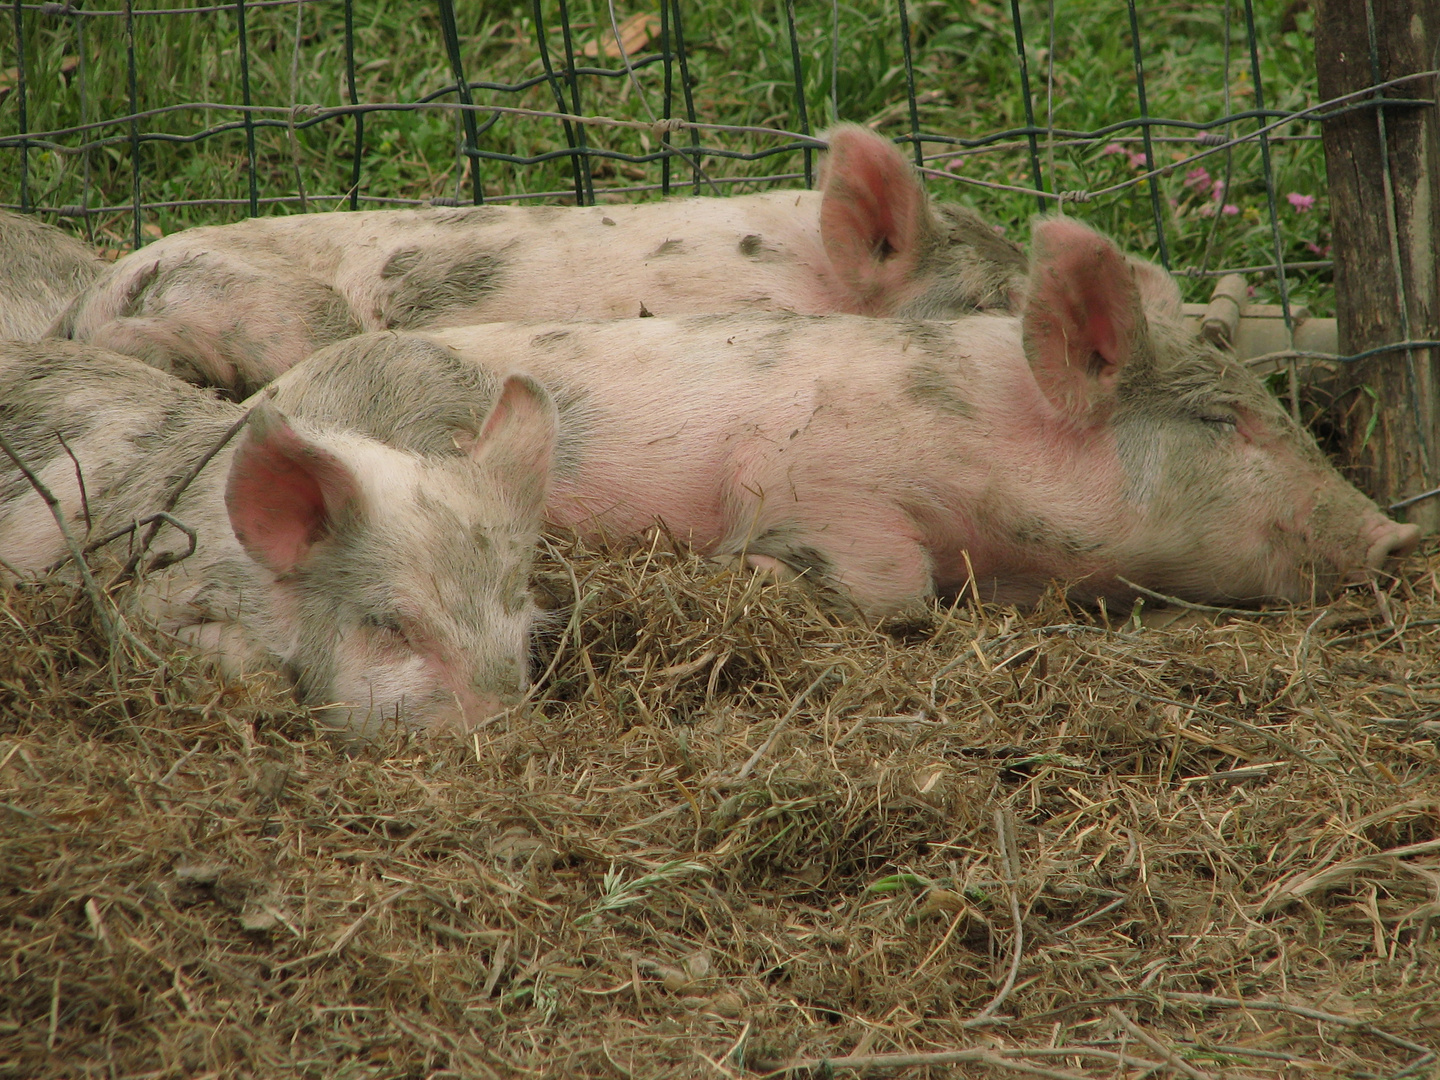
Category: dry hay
[736,834]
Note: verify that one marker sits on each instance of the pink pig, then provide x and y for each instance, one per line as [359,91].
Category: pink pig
[235,305]
[1088,440]
[386,585]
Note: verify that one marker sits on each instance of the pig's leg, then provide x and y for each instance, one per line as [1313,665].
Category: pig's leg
[878,563]
[218,320]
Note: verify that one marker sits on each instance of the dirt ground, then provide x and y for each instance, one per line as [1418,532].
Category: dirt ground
[736,835]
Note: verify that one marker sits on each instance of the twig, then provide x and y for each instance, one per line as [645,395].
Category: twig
[746,769]
[1009,858]
[1092,916]
[721,1069]
[79,480]
[1155,1044]
[1084,1051]
[1297,1010]
[862,1062]
[181,760]
[1415,1066]
[992,643]
[736,1052]
[1382,602]
[497,965]
[1413,499]
[115,628]
[348,934]
[1346,639]
[944,940]
[1251,1051]
[1190,606]
[53,504]
[170,558]
[163,517]
[55,1007]
[174,496]
[1055,628]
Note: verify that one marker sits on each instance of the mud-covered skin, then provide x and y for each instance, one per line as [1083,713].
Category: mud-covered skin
[234,305]
[42,269]
[194,317]
[1086,441]
[386,584]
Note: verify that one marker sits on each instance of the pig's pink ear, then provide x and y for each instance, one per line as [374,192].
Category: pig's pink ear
[516,443]
[875,220]
[283,492]
[1084,318]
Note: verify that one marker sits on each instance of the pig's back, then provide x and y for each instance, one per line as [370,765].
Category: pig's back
[684,419]
[408,269]
[41,270]
[133,431]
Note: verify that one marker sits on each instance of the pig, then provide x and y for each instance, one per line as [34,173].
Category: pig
[42,270]
[233,306]
[383,583]
[1088,440]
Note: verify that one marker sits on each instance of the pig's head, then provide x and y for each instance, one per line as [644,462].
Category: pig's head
[1221,496]
[895,252]
[396,583]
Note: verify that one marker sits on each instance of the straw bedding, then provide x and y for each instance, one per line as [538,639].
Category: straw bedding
[735,833]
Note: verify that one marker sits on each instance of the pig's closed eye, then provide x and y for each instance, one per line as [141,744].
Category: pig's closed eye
[1220,421]
[388,625]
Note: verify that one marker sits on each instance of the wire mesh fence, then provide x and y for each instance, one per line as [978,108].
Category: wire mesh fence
[175,116]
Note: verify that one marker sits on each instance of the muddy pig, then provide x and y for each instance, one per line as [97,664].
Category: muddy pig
[234,305]
[42,269]
[1088,440]
[386,584]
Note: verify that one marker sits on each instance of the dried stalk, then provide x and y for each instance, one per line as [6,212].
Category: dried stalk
[867,1062]
[174,497]
[1009,861]
[1155,1044]
[113,622]
[1175,601]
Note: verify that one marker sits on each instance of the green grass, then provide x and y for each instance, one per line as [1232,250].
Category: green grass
[740,67]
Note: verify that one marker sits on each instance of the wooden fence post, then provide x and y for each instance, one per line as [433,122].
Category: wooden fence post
[1383,166]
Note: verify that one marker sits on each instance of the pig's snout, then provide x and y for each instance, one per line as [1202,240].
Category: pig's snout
[1388,540]
[469,707]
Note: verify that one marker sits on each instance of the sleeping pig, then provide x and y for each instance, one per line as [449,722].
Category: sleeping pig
[234,305]
[1088,439]
[387,584]
[41,270]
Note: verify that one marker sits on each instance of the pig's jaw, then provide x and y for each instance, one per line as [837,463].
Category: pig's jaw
[1056,513]
[1302,557]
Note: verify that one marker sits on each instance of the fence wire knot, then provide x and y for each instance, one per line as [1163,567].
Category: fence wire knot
[57,9]
[661,128]
[298,112]
[1211,138]
[1075,197]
